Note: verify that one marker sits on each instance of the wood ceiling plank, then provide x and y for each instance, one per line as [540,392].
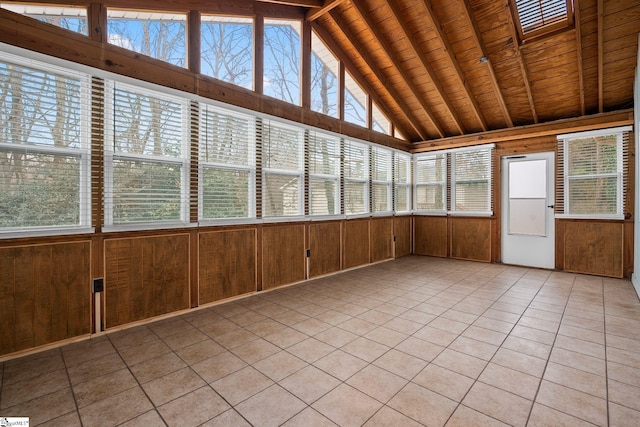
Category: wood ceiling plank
[600,13]
[521,63]
[397,68]
[304,3]
[468,13]
[578,33]
[442,38]
[349,65]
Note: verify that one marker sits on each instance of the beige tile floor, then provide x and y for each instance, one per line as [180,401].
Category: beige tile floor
[414,341]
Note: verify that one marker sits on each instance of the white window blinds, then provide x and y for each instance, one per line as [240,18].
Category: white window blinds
[591,166]
[227,164]
[44,147]
[430,183]
[381,179]
[324,174]
[402,182]
[147,157]
[471,181]
[356,178]
[282,170]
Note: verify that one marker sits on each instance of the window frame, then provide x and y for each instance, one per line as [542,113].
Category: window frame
[83,152]
[443,184]
[542,29]
[298,173]
[399,185]
[621,166]
[330,177]
[249,168]
[366,180]
[110,157]
[454,182]
[387,183]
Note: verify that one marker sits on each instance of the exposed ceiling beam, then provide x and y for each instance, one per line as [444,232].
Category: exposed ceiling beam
[490,71]
[349,65]
[523,66]
[547,129]
[316,12]
[304,3]
[396,63]
[437,25]
[578,24]
[600,56]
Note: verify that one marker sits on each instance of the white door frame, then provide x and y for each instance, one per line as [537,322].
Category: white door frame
[532,248]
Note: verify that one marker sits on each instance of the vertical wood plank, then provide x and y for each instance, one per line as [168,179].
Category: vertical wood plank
[283,255]
[431,236]
[356,244]
[402,233]
[381,239]
[324,243]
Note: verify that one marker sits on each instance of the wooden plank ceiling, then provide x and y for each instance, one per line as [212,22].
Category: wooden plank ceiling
[444,68]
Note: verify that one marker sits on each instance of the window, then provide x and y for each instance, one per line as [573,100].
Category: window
[324,174]
[402,182]
[44,148]
[471,181]
[282,60]
[227,164]
[355,102]
[227,49]
[380,122]
[71,18]
[356,178]
[324,80]
[431,182]
[158,35]
[381,179]
[147,157]
[282,170]
[539,17]
[591,166]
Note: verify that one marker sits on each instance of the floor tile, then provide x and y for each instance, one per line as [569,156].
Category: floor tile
[44,408]
[622,416]
[218,366]
[103,387]
[400,363]
[117,408]
[309,417]
[310,349]
[445,382]
[171,386]
[309,384]
[423,405]
[157,367]
[271,407]
[33,387]
[280,365]
[347,406]
[340,364]
[229,418]
[365,349]
[460,362]
[573,402]
[465,416]
[498,404]
[544,416]
[378,383]
[240,385]
[390,417]
[194,408]
[510,380]
[577,379]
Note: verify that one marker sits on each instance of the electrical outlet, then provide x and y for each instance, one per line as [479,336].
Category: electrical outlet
[98,285]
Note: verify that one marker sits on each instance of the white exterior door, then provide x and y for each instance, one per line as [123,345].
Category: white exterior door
[528,225]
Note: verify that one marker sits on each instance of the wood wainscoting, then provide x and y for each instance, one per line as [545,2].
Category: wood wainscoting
[227,263]
[145,277]
[45,294]
[455,237]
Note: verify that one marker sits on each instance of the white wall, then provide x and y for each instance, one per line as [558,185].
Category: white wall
[635,277]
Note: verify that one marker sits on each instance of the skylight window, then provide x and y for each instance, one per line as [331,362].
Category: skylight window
[538,17]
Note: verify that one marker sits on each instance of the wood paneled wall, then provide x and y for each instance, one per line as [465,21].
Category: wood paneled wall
[470,238]
[145,277]
[381,239]
[431,236]
[44,294]
[403,235]
[592,247]
[226,264]
[326,248]
[283,255]
[356,243]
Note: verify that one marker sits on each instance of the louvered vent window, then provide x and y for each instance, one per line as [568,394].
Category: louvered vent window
[324,174]
[591,173]
[381,173]
[227,164]
[147,157]
[282,170]
[356,178]
[402,182]
[44,148]
[538,17]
